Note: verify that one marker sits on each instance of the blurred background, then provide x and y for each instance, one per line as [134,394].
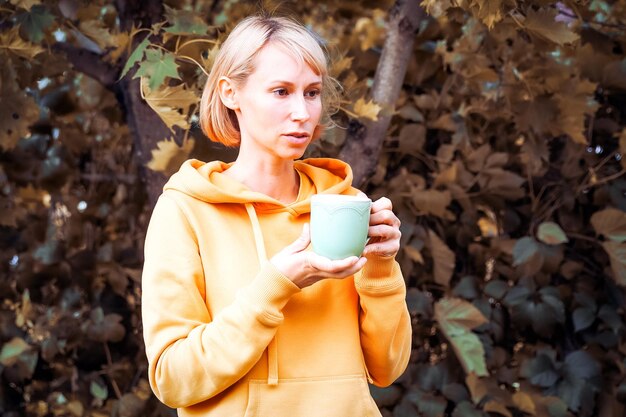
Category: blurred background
[496,127]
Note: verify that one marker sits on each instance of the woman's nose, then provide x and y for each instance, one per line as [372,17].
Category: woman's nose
[299,110]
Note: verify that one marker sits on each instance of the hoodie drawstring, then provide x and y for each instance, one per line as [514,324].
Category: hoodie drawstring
[272,349]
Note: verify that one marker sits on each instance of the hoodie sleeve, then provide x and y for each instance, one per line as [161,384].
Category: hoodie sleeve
[193,356]
[385,321]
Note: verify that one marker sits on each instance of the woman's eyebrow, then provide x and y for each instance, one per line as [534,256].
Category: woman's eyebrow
[291,84]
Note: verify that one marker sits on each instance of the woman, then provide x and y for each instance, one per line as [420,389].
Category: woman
[240,317]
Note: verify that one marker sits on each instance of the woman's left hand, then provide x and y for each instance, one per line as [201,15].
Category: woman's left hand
[384,230]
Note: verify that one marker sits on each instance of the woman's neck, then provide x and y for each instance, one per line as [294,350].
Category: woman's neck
[277,180]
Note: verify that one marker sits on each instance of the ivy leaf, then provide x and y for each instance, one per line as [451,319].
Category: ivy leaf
[33,23]
[456,319]
[542,24]
[542,370]
[524,250]
[99,390]
[611,223]
[583,318]
[171,103]
[168,156]
[367,110]
[137,55]
[466,409]
[12,350]
[184,22]
[103,328]
[551,233]
[12,41]
[157,66]
[443,258]
[428,405]
[617,256]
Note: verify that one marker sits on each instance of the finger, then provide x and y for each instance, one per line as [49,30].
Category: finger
[384,217]
[323,264]
[382,203]
[383,232]
[387,248]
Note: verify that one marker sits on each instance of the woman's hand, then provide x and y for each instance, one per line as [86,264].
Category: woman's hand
[305,268]
[384,230]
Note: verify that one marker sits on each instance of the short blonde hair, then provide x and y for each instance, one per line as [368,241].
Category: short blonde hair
[235,60]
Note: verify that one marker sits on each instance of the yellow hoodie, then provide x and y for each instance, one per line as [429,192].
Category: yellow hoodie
[228,335]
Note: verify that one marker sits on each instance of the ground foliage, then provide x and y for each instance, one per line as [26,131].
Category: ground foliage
[503,160]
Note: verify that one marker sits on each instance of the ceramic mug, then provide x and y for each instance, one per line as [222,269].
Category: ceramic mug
[339,225]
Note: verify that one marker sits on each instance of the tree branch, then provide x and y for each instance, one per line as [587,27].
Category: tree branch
[89,63]
[363,145]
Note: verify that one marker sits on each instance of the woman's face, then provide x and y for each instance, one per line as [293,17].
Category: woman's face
[279,106]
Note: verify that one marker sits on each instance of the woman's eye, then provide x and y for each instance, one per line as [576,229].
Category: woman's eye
[281,92]
[313,93]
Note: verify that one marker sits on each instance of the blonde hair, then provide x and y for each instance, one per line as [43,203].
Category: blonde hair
[235,60]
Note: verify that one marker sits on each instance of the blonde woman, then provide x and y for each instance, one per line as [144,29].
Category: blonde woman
[240,317]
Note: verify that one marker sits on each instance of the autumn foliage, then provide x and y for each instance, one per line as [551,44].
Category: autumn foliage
[503,158]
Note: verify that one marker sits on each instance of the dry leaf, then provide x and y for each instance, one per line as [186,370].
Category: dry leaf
[368,110]
[97,32]
[12,41]
[443,258]
[19,111]
[542,24]
[168,156]
[171,103]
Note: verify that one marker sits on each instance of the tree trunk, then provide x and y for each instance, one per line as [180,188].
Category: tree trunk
[363,145]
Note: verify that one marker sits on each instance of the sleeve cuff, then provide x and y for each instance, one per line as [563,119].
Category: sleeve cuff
[380,275]
[269,293]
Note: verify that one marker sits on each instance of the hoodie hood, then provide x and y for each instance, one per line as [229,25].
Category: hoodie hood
[206,182]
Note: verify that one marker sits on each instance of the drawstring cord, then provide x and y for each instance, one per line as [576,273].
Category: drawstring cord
[272,349]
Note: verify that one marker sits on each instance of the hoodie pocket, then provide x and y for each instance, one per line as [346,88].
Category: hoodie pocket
[342,396]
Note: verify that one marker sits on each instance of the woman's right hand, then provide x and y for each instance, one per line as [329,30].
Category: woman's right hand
[305,267]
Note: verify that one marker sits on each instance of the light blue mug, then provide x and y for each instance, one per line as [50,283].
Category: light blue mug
[339,225]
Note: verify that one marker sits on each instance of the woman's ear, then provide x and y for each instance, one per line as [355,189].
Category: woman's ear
[227,93]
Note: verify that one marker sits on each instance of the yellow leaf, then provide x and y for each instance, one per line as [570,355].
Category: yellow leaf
[120,42]
[542,24]
[12,41]
[489,11]
[207,62]
[19,111]
[168,156]
[25,4]
[488,228]
[368,110]
[414,254]
[495,407]
[524,402]
[97,32]
[341,65]
[170,103]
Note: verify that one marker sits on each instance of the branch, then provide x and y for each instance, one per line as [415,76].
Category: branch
[363,145]
[89,63]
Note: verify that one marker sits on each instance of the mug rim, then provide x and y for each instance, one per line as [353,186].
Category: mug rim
[334,197]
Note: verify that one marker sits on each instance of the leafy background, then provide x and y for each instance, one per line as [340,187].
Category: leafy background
[503,157]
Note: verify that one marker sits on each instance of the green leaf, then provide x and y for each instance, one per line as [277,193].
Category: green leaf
[540,370]
[551,233]
[99,390]
[524,249]
[582,318]
[496,288]
[157,67]
[611,223]
[34,23]
[12,350]
[135,56]
[184,22]
[581,365]
[617,256]
[456,318]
